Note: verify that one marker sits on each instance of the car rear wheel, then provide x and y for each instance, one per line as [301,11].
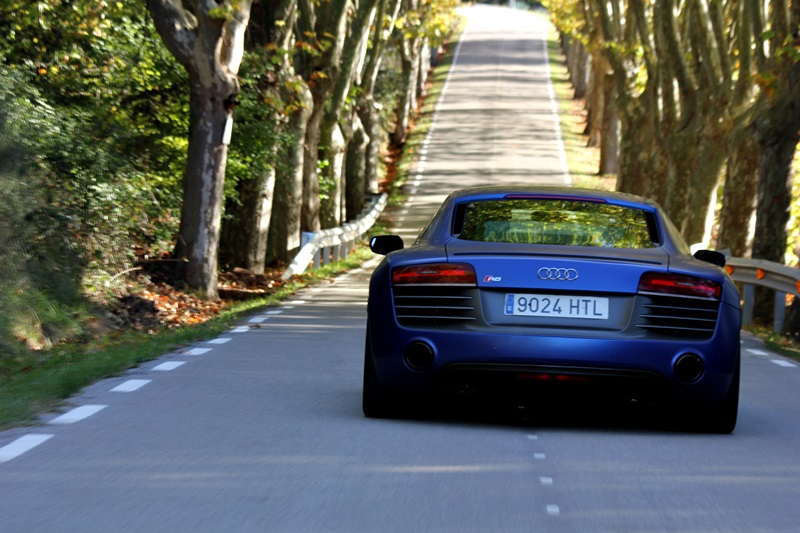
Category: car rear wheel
[720,417]
[377,400]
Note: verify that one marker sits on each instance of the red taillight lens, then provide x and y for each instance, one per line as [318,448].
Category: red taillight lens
[435,273]
[680,285]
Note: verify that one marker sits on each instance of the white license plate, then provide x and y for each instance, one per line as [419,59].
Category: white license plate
[557,306]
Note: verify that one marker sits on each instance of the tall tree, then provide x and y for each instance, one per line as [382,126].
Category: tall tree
[322,27]
[335,138]
[369,112]
[776,130]
[208,40]
[269,96]
[410,40]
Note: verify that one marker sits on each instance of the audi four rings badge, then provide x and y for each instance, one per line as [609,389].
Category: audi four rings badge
[558,274]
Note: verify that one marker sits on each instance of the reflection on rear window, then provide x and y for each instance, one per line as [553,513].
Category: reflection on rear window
[556,221]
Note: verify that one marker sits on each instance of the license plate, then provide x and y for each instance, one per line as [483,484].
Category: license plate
[557,306]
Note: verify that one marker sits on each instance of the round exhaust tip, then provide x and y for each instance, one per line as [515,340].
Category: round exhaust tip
[689,368]
[419,356]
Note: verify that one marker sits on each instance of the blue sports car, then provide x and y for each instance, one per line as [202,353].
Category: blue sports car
[553,292]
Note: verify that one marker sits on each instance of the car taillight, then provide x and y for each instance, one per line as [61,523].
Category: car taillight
[680,285]
[436,274]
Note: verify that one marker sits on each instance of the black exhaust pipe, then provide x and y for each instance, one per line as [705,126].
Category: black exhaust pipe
[419,356]
[689,368]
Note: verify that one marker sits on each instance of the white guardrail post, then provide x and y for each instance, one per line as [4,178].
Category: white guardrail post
[317,247]
[780,278]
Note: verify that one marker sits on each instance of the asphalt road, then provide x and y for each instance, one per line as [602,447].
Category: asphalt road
[261,429]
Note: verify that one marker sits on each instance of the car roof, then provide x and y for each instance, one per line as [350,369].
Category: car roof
[498,192]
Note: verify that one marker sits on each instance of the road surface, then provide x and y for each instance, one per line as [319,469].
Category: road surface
[260,430]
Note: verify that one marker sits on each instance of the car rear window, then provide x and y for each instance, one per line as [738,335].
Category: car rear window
[566,222]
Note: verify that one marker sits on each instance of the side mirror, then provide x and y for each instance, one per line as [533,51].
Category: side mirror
[383,244]
[710,256]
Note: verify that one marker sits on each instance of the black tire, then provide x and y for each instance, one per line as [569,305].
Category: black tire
[720,417]
[377,401]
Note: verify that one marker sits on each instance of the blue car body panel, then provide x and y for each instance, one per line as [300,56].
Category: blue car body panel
[635,339]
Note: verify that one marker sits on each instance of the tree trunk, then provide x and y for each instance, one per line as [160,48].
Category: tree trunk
[369,113]
[776,138]
[739,200]
[311,203]
[410,71]
[203,186]
[331,205]
[244,236]
[596,102]
[637,161]
[609,139]
[210,49]
[578,62]
[703,186]
[286,224]
[355,180]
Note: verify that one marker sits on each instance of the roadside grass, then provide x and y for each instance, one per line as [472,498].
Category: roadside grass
[65,370]
[776,342]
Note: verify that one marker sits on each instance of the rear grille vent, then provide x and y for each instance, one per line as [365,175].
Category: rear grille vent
[434,306]
[674,316]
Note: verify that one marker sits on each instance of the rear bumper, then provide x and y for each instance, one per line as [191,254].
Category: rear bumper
[467,358]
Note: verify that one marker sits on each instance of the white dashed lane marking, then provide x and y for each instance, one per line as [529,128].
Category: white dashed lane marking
[169,365]
[553,510]
[131,385]
[28,442]
[198,351]
[77,414]
[779,362]
[546,481]
[22,445]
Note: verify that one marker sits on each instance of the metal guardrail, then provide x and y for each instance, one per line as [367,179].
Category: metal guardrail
[333,244]
[757,272]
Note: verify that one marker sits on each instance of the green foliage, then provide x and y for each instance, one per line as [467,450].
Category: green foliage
[38,269]
[93,121]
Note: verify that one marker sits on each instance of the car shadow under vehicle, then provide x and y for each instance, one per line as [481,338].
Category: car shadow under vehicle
[531,412]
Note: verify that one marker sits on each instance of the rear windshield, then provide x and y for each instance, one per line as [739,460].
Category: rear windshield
[555,221]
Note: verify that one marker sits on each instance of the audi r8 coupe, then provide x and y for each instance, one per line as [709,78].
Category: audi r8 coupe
[556,292]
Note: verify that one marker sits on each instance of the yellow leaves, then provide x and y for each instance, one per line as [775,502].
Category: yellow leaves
[767,82]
